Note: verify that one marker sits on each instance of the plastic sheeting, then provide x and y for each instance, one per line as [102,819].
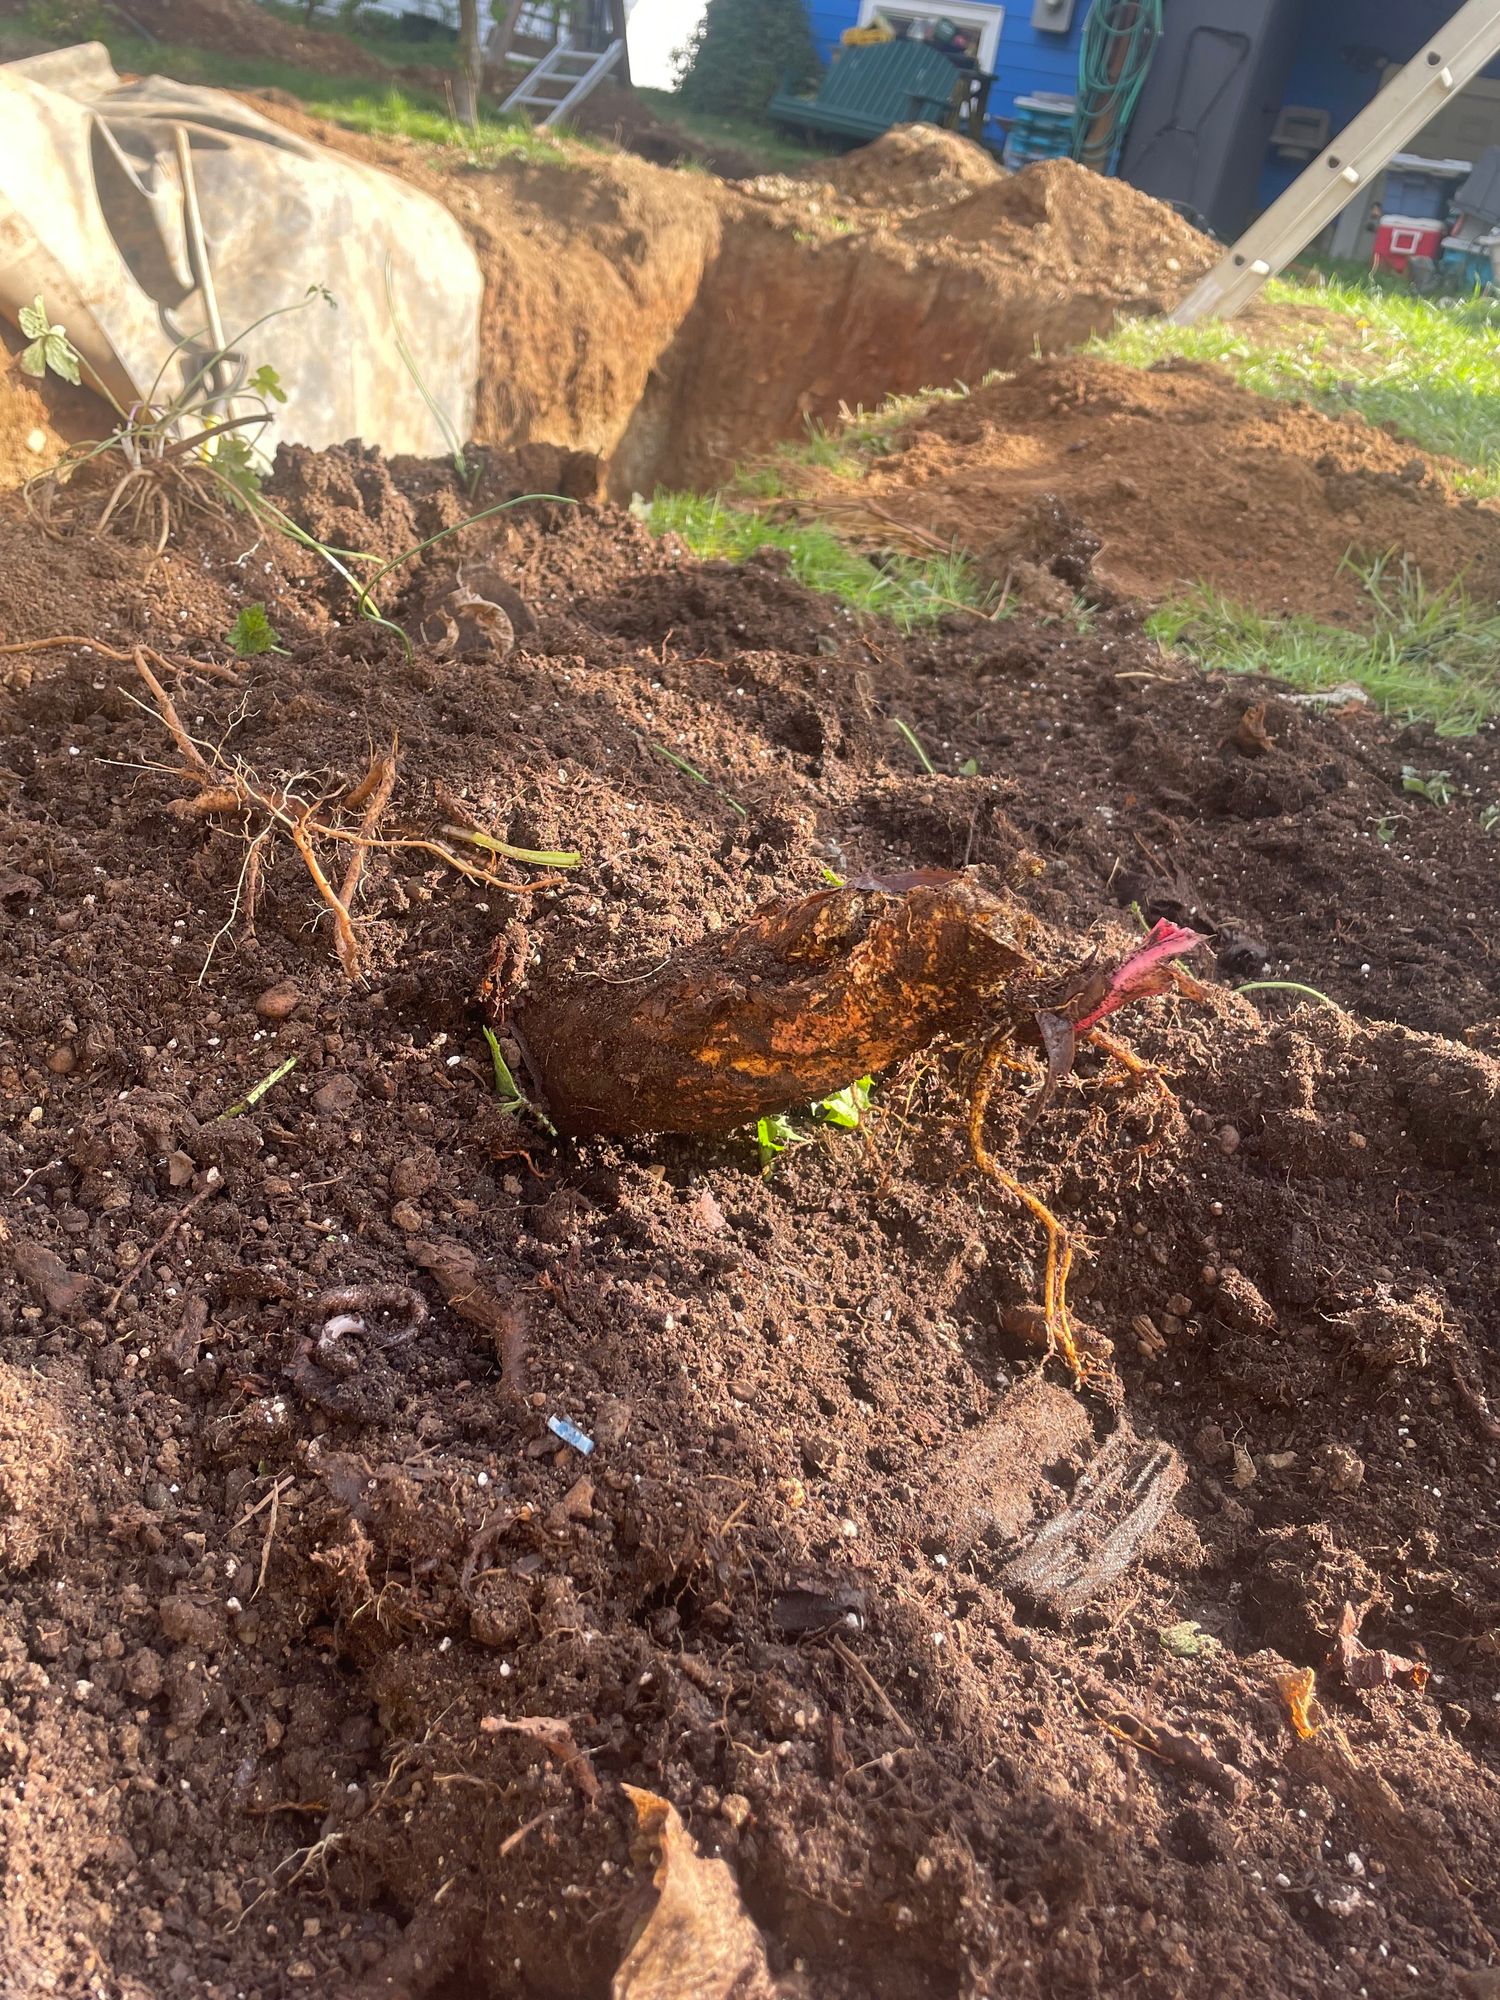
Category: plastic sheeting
[95,216]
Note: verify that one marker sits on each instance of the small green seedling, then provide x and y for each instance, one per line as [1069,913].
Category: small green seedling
[1385,830]
[509,1091]
[691,771]
[845,1109]
[1489,819]
[252,632]
[257,1091]
[1435,786]
[50,346]
[266,383]
[905,729]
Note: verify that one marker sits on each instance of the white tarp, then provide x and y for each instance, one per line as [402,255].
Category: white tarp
[92,218]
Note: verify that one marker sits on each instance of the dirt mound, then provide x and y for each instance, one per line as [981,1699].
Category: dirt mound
[241,28]
[1075,226]
[675,325]
[911,166]
[1183,477]
[261,1614]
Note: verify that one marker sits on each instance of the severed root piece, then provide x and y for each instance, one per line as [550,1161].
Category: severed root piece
[1057,1319]
[779,1011]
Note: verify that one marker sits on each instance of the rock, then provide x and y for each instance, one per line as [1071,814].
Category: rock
[63,1060]
[336,1098]
[416,1174]
[1346,1471]
[408,1218]
[1227,1138]
[278,1002]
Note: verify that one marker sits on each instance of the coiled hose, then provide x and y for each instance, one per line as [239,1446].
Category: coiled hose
[1119,40]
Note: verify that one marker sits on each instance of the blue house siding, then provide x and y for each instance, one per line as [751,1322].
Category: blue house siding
[1028,60]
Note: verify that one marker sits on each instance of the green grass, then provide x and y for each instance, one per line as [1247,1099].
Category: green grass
[1430,656]
[358,103]
[1429,367]
[906,589]
[770,152]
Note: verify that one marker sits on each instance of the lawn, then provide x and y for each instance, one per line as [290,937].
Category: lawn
[1431,367]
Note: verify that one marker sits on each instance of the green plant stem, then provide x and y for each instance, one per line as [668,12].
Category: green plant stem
[539,857]
[1288,986]
[911,737]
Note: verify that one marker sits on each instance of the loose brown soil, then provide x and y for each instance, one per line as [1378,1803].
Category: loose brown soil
[1183,477]
[255,1607]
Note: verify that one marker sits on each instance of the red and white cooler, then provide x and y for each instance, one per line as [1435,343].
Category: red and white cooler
[1399,238]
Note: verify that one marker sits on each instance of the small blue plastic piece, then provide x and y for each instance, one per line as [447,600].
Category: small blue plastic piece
[570,1434]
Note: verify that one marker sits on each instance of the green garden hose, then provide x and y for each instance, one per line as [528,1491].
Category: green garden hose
[1119,40]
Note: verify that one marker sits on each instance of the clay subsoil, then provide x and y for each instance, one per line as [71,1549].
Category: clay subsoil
[1182,476]
[252,1620]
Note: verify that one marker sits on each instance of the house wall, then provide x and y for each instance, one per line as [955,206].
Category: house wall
[1030,58]
[1342,54]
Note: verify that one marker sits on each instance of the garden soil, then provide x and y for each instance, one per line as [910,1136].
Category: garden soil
[262,1619]
[1182,476]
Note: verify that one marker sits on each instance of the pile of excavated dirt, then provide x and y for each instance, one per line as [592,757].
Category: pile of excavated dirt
[257,1614]
[1077,227]
[1183,477]
[909,167]
[675,325]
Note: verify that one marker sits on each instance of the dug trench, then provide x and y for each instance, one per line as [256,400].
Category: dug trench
[674,324]
[973,1678]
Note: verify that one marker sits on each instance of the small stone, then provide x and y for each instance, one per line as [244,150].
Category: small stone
[36,441]
[63,1060]
[792,1493]
[408,1218]
[1346,1471]
[180,1168]
[735,1807]
[1180,1305]
[416,1174]
[1228,1138]
[279,1001]
[337,1097]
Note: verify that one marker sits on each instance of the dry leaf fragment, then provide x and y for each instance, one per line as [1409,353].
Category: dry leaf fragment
[1250,737]
[1371,1666]
[1299,1690]
[698,1943]
[556,1738]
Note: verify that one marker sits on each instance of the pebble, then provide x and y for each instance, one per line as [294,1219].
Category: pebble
[62,1061]
[1228,1138]
[336,1097]
[279,1001]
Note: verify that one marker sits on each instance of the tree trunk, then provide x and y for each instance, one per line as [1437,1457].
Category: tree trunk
[779,1012]
[470,62]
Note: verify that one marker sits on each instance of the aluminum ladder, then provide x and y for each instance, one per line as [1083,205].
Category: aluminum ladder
[562,79]
[1388,123]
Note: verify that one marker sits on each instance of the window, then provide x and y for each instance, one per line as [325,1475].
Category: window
[963,14]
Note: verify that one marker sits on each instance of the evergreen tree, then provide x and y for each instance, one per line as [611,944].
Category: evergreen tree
[735,63]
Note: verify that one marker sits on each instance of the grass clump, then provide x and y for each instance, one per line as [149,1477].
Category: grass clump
[1430,368]
[1429,656]
[909,590]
